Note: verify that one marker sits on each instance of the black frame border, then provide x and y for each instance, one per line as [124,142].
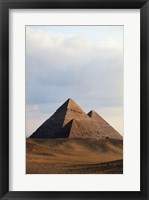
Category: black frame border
[5,5]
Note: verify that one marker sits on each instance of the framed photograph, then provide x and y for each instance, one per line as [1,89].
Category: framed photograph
[74,99]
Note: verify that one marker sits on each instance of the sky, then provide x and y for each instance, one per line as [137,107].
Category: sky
[84,63]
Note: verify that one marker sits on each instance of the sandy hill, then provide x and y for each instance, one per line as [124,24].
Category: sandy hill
[70,121]
[74,156]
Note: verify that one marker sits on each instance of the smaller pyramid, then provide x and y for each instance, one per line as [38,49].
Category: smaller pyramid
[104,127]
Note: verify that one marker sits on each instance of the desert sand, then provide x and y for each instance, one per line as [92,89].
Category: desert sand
[74,156]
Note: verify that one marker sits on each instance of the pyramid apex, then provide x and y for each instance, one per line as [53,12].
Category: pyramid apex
[70,104]
[70,100]
[92,112]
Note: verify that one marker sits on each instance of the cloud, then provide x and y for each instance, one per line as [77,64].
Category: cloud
[54,61]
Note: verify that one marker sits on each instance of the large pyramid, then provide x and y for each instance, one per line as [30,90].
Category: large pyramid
[64,114]
[70,121]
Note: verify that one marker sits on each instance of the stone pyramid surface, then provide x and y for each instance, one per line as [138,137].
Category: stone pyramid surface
[70,121]
[64,114]
[104,127]
[84,129]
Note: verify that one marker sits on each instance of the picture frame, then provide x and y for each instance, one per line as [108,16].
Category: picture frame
[5,6]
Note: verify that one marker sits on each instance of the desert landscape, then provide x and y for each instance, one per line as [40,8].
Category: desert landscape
[73,142]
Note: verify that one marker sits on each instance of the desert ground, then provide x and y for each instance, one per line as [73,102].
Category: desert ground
[74,156]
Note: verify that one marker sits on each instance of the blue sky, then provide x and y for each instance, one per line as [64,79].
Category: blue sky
[84,63]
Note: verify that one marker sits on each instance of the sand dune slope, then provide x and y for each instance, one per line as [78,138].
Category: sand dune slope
[73,156]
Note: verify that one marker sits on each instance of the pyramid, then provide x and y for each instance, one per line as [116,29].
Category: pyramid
[84,129]
[104,127]
[70,121]
[52,127]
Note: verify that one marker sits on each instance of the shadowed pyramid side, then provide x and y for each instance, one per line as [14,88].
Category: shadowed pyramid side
[65,131]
